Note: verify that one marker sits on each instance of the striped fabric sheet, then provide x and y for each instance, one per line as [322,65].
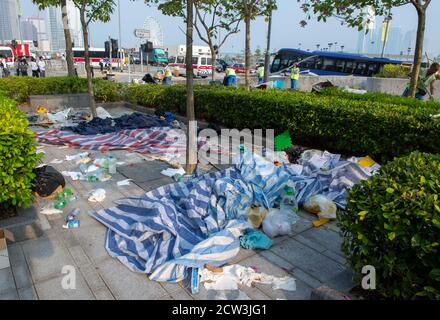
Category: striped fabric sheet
[167,143]
[154,141]
[189,224]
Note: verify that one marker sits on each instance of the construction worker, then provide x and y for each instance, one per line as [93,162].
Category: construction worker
[260,72]
[231,77]
[168,77]
[294,76]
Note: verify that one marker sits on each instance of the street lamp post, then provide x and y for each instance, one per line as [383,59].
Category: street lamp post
[267,56]
[317,46]
[120,36]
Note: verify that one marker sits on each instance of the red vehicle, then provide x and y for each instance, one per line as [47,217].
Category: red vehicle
[18,50]
[241,69]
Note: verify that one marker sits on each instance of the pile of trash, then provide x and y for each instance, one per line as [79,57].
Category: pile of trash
[175,231]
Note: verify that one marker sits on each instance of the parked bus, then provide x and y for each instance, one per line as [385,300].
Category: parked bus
[96,55]
[329,63]
[8,54]
[202,65]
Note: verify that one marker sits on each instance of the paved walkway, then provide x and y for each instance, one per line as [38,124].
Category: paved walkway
[39,251]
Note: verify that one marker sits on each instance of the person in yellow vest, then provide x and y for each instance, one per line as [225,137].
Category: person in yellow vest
[260,72]
[231,77]
[168,77]
[294,77]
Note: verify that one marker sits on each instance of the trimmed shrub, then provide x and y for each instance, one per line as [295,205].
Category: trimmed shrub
[392,222]
[394,71]
[382,98]
[17,155]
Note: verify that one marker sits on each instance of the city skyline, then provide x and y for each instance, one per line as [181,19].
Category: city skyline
[286,18]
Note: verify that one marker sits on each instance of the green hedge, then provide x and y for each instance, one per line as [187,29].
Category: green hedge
[381,97]
[337,122]
[392,222]
[17,155]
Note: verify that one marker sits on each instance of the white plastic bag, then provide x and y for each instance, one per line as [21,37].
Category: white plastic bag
[97,195]
[279,223]
[322,206]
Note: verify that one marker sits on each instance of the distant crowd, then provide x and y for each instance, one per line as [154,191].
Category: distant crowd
[22,66]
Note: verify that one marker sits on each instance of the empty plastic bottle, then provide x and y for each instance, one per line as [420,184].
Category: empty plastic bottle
[112,164]
[288,201]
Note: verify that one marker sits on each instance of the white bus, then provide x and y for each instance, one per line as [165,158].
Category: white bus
[96,55]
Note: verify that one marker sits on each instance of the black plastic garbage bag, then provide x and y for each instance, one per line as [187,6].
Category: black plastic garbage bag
[47,180]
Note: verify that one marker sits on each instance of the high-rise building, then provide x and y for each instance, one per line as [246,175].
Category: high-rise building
[8,20]
[56,30]
[28,30]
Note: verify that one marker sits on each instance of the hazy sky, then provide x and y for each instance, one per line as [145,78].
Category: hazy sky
[286,29]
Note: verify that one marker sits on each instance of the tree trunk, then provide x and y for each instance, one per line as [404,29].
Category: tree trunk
[213,58]
[87,63]
[267,55]
[247,21]
[68,37]
[191,146]
[418,53]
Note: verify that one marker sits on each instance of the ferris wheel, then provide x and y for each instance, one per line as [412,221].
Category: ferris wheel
[155,30]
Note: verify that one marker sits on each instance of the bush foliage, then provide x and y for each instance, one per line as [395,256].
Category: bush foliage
[392,222]
[17,155]
[394,71]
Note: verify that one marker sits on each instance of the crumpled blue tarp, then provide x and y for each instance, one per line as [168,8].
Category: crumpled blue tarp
[189,224]
[132,121]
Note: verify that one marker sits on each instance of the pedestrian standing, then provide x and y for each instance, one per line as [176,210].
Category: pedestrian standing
[294,76]
[101,65]
[34,68]
[42,67]
[17,66]
[23,66]
[260,72]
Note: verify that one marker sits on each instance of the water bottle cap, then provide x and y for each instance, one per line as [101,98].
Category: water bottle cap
[289,190]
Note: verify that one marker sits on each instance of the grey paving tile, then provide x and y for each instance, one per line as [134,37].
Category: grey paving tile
[28,293]
[90,274]
[52,289]
[343,281]
[242,254]
[325,238]
[92,240]
[6,280]
[336,257]
[153,184]
[144,171]
[127,285]
[307,259]
[9,295]
[301,226]
[46,257]
[310,243]
[181,294]
[16,255]
[22,275]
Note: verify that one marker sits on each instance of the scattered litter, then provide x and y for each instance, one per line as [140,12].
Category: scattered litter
[120,163]
[77,156]
[320,222]
[171,172]
[195,280]
[63,147]
[56,161]
[41,151]
[50,210]
[84,160]
[322,206]
[254,239]
[42,109]
[59,116]
[47,181]
[74,175]
[111,164]
[367,163]
[72,224]
[256,216]
[91,168]
[355,91]
[233,276]
[278,223]
[102,113]
[124,182]
[73,215]
[97,195]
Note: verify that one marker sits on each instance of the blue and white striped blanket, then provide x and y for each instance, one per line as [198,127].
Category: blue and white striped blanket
[189,224]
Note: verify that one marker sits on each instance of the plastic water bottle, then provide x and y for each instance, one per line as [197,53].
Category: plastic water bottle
[288,201]
[112,164]
[92,178]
